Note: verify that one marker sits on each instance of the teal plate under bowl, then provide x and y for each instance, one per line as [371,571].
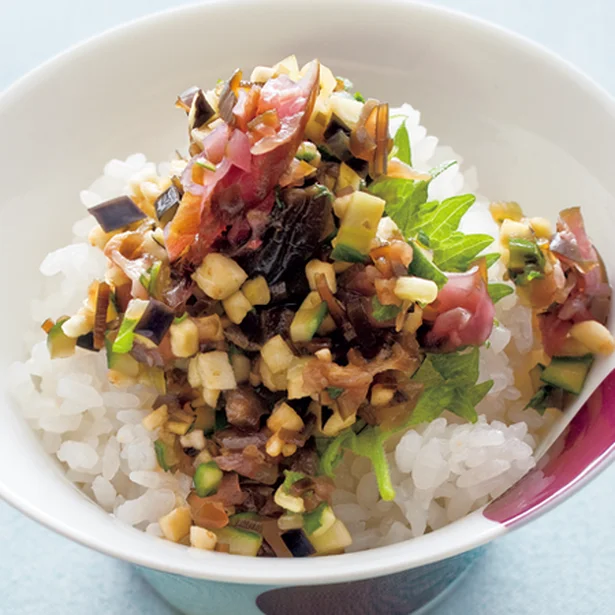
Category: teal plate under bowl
[404,593]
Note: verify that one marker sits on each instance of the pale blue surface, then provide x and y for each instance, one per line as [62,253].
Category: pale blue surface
[561,564]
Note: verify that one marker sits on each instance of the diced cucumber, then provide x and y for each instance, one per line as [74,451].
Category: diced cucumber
[59,344]
[422,267]
[306,322]
[243,516]
[360,222]
[317,522]
[334,540]
[207,479]
[123,363]
[239,541]
[165,455]
[568,373]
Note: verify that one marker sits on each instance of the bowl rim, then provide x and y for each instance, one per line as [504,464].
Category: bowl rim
[477,530]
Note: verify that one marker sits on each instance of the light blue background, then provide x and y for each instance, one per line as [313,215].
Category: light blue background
[562,564]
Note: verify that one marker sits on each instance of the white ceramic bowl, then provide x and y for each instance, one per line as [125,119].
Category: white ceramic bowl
[537,130]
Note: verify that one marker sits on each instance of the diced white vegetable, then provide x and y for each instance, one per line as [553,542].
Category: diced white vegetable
[316,267]
[184,338]
[241,367]
[277,354]
[219,276]
[176,524]
[289,502]
[156,418]
[274,382]
[195,439]
[411,288]
[202,538]
[256,291]
[215,371]
[284,417]
[236,307]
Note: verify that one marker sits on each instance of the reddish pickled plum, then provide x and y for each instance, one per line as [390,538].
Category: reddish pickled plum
[463,312]
[242,178]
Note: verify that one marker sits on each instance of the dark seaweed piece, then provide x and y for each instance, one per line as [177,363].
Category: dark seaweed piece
[166,204]
[200,111]
[357,311]
[293,235]
[86,341]
[117,213]
[360,167]
[298,543]
[251,326]
[276,321]
[236,336]
[155,322]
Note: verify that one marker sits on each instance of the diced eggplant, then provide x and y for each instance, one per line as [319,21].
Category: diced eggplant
[338,144]
[165,455]
[298,543]
[200,111]
[155,322]
[117,213]
[184,100]
[335,125]
[166,204]
[86,341]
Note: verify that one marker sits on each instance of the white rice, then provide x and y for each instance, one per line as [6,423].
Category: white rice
[441,471]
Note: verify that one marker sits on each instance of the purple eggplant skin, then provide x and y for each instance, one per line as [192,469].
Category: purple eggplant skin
[155,322]
[298,543]
[117,213]
[167,203]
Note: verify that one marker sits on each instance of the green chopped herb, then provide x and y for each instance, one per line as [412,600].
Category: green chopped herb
[498,290]
[320,190]
[441,168]
[449,382]
[220,420]
[179,319]
[347,254]
[205,164]
[401,145]
[358,96]
[161,451]
[334,392]
[422,267]
[423,238]
[382,313]
[313,520]
[492,258]
[290,478]
[125,337]
[540,399]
